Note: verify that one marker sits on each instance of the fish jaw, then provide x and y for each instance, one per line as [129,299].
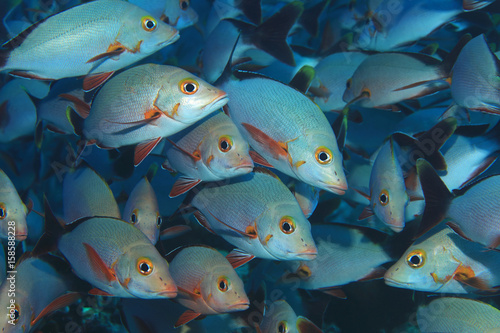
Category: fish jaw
[219,101]
[393,283]
[339,189]
[241,306]
[174,38]
[168,293]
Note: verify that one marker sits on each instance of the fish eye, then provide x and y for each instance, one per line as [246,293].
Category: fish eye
[15,314]
[384,197]
[348,84]
[416,259]
[188,86]
[287,225]
[144,266]
[282,327]
[323,155]
[158,221]
[3,211]
[222,284]
[148,23]
[133,217]
[184,4]
[225,143]
[366,92]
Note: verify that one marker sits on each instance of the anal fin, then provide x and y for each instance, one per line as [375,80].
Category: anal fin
[183,185]
[238,258]
[186,317]
[59,303]
[143,149]
[90,82]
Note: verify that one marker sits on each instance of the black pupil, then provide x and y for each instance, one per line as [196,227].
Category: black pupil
[323,156]
[189,87]
[134,218]
[281,328]
[287,227]
[383,198]
[144,267]
[222,285]
[415,260]
[2,212]
[16,315]
[184,5]
[224,145]
[150,24]
[158,220]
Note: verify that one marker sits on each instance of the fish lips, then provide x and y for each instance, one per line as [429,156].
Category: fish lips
[338,189]
[21,237]
[170,40]
[305,255]
[239,306]
[217,102]
[393,283]
[172,293]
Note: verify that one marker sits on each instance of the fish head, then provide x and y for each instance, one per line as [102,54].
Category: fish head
[143,272]
[423,268]
[186,98]
[356,92]
[18,314]
[316,160]
[13,217]
[285,233]
[279,317]
[223,290]
[142,210]
[144,33]
[226,153]
[179,14]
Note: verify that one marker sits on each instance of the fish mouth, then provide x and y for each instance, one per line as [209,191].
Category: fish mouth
[339,189]
[168,293]
[218,102]
[306,255]
[394,283]
[170,40]
[244,165]
[21,237]
[240,306]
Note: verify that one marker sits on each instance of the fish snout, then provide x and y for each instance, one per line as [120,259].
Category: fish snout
[339,187]
[310,253]
[241,305]
[245,163]
[218,101]
[169,292]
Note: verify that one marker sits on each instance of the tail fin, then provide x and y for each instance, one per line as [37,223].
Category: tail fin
[252,10]
[53,230]
[436,194]
[75,120]
[4,56]
[310,18]
[271,35]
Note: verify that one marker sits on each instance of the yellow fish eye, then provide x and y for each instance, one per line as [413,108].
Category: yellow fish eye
[348,84]
[222,284]
[225,143]
[3,211]
[144,266]
[282,327]
[323,155]
[148,23]
[366,92]
[184,4]
[384,197]
[416,258]
[188,86]
[287,225]
[133,217]
[14,314]
[158,221]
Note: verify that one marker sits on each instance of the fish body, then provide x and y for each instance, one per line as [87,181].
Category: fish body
[453,314]
[211,150]
[444,262]
[85,193]
[288,130]
[179,14]
[280,317]
[11,209]
[269,225]
[96,37]
[307,196]
[147,103]
[142,210]
[207,282]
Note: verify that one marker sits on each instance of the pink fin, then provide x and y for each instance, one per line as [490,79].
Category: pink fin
[194,157]
[269,144]
[238,258]
[182,185]
[4,115]
[189,293]
[362,193]
[249,232]
[304,325]
[376,273]
[109,54]
[366,213]
[335,292]
[475,282]
[175,231]
[259,159]
[202,220]
[457,230]
[98,265]
[99,292]
[186,317]
[81,107]
[59,303]
[143,149]
[90,82]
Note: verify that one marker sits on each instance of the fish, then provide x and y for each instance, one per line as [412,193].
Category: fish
[86,193]
[270,225]
[454,314]
[475,83]
[471,210]
[444,262]
[211,150]
[280,317]
[111,254]
[306,195]
[93,39]
[207,283]
[165,100]
[179,14]
[388,197]
[345,254]
[13,210]
[142,210]
[222,9]
[286,129]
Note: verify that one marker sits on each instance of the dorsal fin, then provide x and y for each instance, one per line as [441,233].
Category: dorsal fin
[19,39]
[171,255]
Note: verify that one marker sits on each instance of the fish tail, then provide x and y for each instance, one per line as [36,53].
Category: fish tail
[53,230]
[271,35]
[75,120]
[4,56]
[451,58]
[437,196]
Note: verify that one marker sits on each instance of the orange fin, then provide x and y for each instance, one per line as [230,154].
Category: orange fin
[457,230]
[98,265]
[259,159]
[99,292]
[186,317]
[304,325]
[190,293]
[238,258]
[276,149]
[202,220]
[113,53]
[81,107]
[376,273]
[143,149]
[90,82]
[366,213]
[175,231]
[248,232]
[182,185]
[194,157]
[59,303]
[335,292]
[475,282]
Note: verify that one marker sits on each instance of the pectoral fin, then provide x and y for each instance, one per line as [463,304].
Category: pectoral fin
[202,220]
[91,82]
[99,292]
[182,185]
[81,107]
[259,159]
[108,54]
[304,325]
[143,149]
[59,303]
[186,317]
[238,258]
[98,265]
[273,147]
[175,231]
[366,213]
